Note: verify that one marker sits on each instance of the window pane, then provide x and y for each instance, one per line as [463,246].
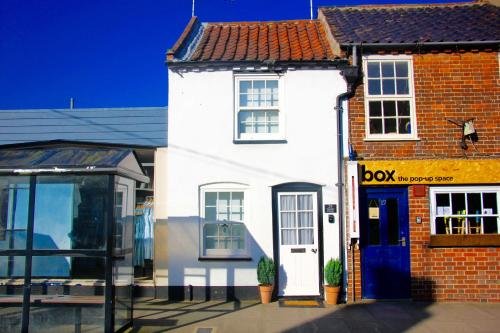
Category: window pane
[374,232]
[272,128]
[210,230]
[259,116]
[210,198]
[441,227]
[490,225]
[392,222]
[387,69]
[442,201]
[305,219]
[288,220]
[388,86]
[375,126]
[374,87]
[272,92]
[224,230]
[389,125]
[403,108]
[11,314]
[272,116]
[404,125]
[287,202]
[401,69]
[473,203]
[288,237]
[306,236]
[374,69]
[244,100]
[305,202]
[68,267]
[389,108]
[238,230]
[474,225]
[261,128]
[402,86]
[14,201]
[70,212]
[11,267]
[237,201]
[458,203]
[375,109]
[245,87]
[490,203]
[246,128]
[210,213]
[210,243]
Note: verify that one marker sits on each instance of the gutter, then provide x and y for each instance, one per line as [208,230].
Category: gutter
[464,43]
[351,75]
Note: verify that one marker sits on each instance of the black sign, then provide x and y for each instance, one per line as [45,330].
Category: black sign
[330,209]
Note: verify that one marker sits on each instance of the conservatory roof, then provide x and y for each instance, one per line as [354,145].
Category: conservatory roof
[67,160]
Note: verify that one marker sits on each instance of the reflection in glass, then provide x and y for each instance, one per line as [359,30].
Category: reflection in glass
[11,315]
[14,201]
[70,212]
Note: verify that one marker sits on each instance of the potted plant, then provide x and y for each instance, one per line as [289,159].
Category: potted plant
[265,276]
[333,277]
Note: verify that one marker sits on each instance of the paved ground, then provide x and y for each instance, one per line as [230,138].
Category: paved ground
[233,317]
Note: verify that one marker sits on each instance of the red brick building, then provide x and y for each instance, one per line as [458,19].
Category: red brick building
[423,183]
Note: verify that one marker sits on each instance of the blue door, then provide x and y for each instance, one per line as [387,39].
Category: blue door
[385,248]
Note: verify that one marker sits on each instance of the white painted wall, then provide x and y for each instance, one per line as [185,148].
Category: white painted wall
[201,151]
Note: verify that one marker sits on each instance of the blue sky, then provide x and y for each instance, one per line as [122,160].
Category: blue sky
[110,53]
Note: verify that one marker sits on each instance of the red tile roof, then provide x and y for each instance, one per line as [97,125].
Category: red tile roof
[298,40]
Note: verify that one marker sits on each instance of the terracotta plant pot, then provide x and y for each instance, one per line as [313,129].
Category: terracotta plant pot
[332,294]
[266,293]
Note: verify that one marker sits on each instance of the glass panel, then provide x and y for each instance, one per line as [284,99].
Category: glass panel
[244,100]
[458,203]
[442,201]
[375,109]
[210,198]
[288,237]
[259,92]
[210,214]
[404,125]
[374,232]
[388,86]
[14,202]
[403,108]
[473,203]
[402,86]
[272,92]
[123,278]
[237,201]
[375,126]
[70,212]
[238,230]
[287,202]
[11,315]
[490,225]
[374,87]
[273,116]
[390,125]
[401,68]
[389,108]
[387,69]
[68,267]
[261,128]
[490,203]
[305,219]
[245,87]
[246,128]
[210,243]
[273,128]
[474,224]
[288,220]
[441,227]
[392,221]
[374,69]
[210,230]
[306,236]
[305,202]
[223,206]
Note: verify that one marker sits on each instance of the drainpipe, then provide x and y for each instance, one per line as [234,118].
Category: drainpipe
[351,75]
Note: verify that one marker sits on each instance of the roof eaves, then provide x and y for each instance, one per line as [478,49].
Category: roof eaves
[185,40]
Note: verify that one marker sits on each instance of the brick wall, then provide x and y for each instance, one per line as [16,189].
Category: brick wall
[447,85]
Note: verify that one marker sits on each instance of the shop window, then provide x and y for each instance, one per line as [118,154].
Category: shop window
[223,232]
[389,98]
[465,211]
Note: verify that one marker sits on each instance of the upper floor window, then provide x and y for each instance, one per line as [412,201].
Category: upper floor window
[465,210]
[258,114]
[389,97]
[223,231]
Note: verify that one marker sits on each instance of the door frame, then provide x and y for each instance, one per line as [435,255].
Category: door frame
[297,187]
[363,200]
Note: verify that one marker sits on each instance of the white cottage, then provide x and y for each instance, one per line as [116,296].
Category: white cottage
[253,158]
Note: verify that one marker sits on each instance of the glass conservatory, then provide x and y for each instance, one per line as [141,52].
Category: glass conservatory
[66,239]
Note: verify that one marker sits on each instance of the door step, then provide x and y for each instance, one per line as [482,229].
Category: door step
[301,303]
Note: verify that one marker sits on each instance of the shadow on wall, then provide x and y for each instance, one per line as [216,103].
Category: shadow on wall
[192,278]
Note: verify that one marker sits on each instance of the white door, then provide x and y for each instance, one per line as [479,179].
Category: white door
[298,244]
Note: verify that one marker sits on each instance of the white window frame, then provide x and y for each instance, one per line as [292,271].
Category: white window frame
[280,135]
[462,189]
[223,253]
[410,97]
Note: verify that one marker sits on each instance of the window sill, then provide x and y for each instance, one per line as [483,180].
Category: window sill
[246,142]
[465,240]
[225,259]
[392,138]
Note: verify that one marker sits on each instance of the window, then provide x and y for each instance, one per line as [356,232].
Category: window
[258,115]
[223,232]
[389,98]
[463,211]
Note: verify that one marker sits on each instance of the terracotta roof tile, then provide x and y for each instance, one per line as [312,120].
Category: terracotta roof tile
[298,40]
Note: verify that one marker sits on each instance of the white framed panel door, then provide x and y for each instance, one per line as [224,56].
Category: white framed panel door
[298,244]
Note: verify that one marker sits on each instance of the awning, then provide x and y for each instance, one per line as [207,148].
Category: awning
[62,160]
